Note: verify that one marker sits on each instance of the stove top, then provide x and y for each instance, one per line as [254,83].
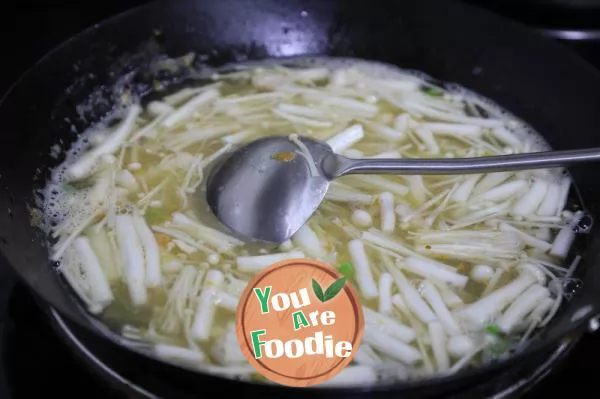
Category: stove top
[35,362]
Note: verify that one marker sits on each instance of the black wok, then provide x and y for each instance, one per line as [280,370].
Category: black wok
[539,81]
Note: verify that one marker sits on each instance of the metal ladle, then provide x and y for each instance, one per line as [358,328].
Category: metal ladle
[266,190]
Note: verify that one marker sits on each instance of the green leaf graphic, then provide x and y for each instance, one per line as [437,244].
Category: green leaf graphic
[317,290]
[334,289]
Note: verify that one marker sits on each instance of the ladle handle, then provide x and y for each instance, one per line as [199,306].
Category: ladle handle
[453,166]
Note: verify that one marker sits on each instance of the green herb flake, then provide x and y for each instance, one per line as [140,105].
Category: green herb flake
[347,270]
[69,188]
[493,329]
[433,91]
[156,215]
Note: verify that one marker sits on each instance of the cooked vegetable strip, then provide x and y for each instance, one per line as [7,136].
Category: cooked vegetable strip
[389,326]
[529,203]
[183,140]
[259,262]
[186,110]
[386,282]
[364,276]
[438,345]
[565,187]
[417,188]
[158,108]
[226,301]
[381,240]
[540,311]
[432,113]
[526,238]
[383,131]
[490,181]
[309,242]
[433,297]
[395,349]
[345,104]
[151,129]
[462,193]
[451,270]
[412,298]
[212,237]
[85,165]
[460,346]
[428,140]
[238,137]
[400,304]
[550,201]
[341,193]
[227,348]
[187,357]
[388,216]
[151,252]
[507,137]
[524,304]
[482,310]
[504,191]
[132,256]
[205,309]
[105,250]
[100,291]
[383,183]
[301,120]
[451,299]
[431,269]
[452,128]
[563,241]
[358,376]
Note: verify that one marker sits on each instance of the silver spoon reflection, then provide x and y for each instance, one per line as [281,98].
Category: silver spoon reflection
[268,189]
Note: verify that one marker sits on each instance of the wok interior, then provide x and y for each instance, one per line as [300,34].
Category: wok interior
[32,119]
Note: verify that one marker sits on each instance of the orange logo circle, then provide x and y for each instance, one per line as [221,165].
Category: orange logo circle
[299,322]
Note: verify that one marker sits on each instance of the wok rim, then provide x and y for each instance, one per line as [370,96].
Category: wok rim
[61,326]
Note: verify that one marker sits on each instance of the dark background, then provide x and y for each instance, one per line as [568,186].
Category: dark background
[34,363]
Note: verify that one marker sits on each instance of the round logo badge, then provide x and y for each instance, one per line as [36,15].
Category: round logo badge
[299,322]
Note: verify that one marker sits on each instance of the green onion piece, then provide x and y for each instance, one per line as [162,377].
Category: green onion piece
[493,329]
[347,270]
[433,91]
[69,188]
[257,377]
[502,343]
[156,215]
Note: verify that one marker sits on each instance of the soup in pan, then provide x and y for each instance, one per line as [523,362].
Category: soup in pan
[453,271]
